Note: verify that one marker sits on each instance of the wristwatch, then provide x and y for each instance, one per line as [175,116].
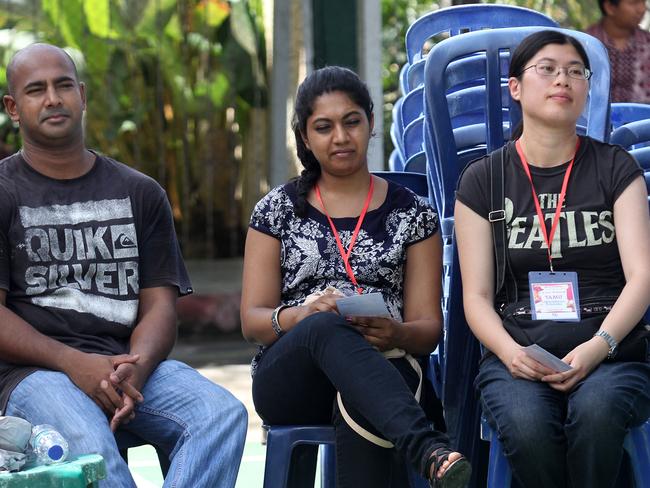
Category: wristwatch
[275,323]
[611,342]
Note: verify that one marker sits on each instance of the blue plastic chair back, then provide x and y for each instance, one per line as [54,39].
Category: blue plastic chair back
[403,79]
[441,75]
[396,139]
[397,117]
[465,18]
[416,182]
[397,129]
[413,137]
[411,106]
[623,113]
[415,74]
[631,133]
[395,162]
[634,137]
[417,163]
[642,155]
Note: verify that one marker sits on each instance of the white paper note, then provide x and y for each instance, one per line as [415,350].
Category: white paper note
[544,357]
[367,305]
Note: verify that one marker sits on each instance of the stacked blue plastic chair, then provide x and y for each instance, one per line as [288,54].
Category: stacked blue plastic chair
[623,113]
[441,74]
[446,22]
[447,67]
[466,18]
[630,136]
[635,137]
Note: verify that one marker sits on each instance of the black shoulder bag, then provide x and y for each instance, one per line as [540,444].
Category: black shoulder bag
[557,337]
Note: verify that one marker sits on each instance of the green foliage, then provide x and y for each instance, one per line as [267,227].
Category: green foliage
[162,78]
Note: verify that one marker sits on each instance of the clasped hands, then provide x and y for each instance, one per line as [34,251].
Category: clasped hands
[583,359]
[112,382]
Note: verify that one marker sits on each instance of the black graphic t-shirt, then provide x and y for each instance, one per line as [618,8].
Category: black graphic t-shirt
[74,254]
[585,239]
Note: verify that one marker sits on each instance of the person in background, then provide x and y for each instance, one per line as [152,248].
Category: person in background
[90,270]
[628,46]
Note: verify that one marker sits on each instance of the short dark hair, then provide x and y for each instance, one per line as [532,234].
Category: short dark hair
[530,46]
[601,5]
[319,82]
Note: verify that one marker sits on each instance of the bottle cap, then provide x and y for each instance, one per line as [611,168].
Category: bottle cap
[55,452]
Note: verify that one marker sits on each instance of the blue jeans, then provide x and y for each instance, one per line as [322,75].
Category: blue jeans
[201,426]
[296,381]
[554,439]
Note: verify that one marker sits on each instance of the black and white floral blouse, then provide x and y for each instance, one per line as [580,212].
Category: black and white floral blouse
[310,259]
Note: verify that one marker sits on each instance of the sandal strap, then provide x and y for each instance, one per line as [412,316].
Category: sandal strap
[436,459]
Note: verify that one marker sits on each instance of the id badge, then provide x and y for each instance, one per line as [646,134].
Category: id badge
[554,296]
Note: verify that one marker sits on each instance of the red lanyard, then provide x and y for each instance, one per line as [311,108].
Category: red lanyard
[548,237]
[346,255]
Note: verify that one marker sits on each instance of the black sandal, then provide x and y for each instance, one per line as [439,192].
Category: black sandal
[456,475]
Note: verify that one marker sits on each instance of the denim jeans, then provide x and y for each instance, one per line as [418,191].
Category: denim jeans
[296,381]
[200,425]
[555,439]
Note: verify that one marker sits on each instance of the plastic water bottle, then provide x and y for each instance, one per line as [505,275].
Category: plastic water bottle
[48,446]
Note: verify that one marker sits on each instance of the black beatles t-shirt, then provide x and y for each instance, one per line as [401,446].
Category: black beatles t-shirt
[75,253]
[585,239]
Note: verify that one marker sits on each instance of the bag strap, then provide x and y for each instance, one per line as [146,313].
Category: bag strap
[497,218]
[369,436]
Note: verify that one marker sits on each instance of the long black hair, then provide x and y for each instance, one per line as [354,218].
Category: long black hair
[319,82]
[529,47]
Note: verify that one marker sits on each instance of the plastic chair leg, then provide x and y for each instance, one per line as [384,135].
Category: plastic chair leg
[328,466]
[280,445]
[637,445]
[499,474]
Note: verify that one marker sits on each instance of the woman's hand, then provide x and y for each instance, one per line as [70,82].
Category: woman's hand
[521,365]
[583,360]
[382,332]
[324,303]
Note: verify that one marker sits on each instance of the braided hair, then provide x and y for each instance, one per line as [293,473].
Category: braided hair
[324,80]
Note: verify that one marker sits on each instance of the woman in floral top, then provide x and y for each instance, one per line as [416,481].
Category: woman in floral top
[337,230]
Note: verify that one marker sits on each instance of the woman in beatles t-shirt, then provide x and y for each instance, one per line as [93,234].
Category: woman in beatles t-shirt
[558,428]
[339,227]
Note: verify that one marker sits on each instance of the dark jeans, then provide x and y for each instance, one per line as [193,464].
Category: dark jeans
[296,382]
[554,439]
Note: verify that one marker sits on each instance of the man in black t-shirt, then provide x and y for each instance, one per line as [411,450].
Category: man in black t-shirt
[90,270]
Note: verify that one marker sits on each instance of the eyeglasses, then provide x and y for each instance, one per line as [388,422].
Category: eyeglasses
[577,71]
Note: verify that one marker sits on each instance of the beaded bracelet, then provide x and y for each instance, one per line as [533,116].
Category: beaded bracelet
[275,323]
